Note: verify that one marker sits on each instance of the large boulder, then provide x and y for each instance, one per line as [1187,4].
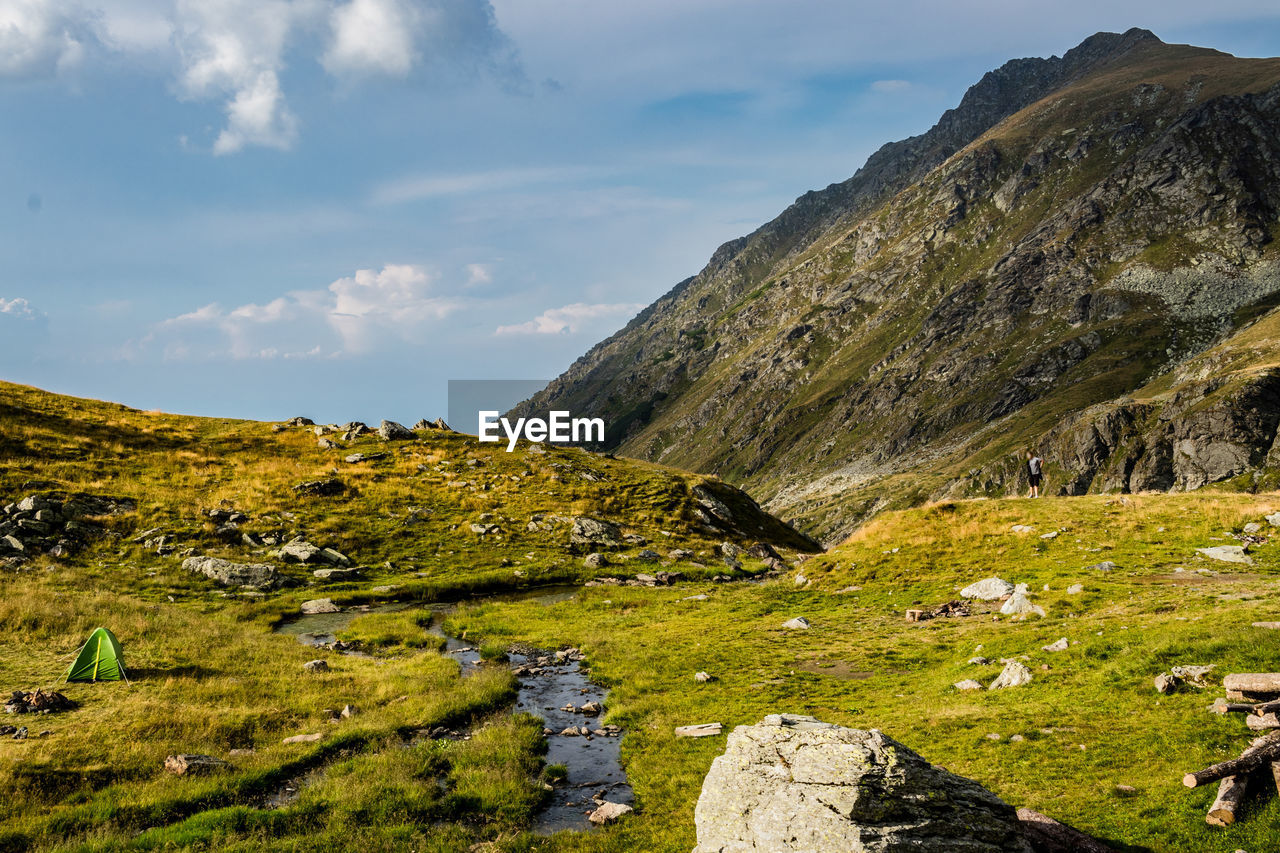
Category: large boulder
[592,534]
[227,573]
[392,431]
[792,783]
[988,589]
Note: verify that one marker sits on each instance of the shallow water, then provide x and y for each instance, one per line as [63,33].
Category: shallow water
[594,763]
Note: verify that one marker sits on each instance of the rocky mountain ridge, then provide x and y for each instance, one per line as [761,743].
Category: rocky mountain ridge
[1071,235]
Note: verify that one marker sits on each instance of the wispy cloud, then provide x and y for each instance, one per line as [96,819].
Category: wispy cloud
[890,87]
[17,307]
[421,187]
[349,317]
[568,319]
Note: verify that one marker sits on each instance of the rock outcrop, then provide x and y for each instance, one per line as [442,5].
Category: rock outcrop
[254,575]
[792,783]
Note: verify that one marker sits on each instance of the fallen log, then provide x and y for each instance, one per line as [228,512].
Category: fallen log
[1047,835]
[1253,682]
[1224,707]
[1263,722]
[1244,696]
[1262,751]
[1275,774]
[1231,792]
[1262,708]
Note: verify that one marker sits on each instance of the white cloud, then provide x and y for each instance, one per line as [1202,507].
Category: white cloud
[568,319]
[420,187]
[18,307]
[478,274]
[234,49]
[41,38]
[353,315]
[372,36]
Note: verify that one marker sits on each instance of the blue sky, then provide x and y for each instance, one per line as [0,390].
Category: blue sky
[332,207]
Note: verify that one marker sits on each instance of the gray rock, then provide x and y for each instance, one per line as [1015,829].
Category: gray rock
[1075,589]
[703,677]
[325,444]
[967,684]
[792,783]
[648,556]
[1059,645]
[1227,554]
[797,624]
[299,551]
[1019,605]
[1104,566]
[608,812]
[1014,674]
[989,589]
[1167,682]
[392,431]
[311,738]
[316,666]
[595,560]
[319,605]
[980,661]
[193,765]
[1251,528]
[1274,519]
[593,534]
[336,574]
[321,488]
[227,573]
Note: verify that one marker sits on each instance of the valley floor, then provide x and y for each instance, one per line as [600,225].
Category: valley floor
[1088,741]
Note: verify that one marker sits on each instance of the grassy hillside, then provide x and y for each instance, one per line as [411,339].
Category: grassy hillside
[209,676]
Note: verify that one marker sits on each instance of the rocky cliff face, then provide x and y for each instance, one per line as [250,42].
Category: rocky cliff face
[1076,230]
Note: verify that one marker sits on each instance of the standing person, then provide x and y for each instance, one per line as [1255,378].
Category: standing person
[1035,473]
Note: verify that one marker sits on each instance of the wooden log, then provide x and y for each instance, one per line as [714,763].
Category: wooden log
[1262,751]
[1047,835]
[1231,792]
[1262,708]
[1224,707]
[1243,696]
[1275,774]
[1253,682]
[1263,722]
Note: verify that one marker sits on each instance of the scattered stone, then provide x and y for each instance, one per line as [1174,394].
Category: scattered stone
[357,458]
[801,580]
[336,574]
[193,765]
[319,605]
[1274,519]
[1251,528]
[325,444]
[348,711]
[392,431]
[1052,534]
[321,488]
[1274,626]
[1126,790]
[1019,605]
[980,661]
[699,730]
[1193,674]
[648,556]
[967,684]
[311,738]
[38,701]
[1075,589]
[703,677]
[794,783]
[993,736]
[1022,528]
[593,534]
[1166,683]
[299,422]
[1059,645]
[1227,554]
[797,624]
[1016,738]
[608,813]
[1104,566]
[1014,674]
[316,666]
[989,589]
[227,573]
[702,596]
[595,560]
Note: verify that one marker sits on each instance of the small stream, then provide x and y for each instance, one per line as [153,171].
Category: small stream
[546,687]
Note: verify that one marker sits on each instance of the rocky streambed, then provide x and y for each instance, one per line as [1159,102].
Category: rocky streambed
[552,685]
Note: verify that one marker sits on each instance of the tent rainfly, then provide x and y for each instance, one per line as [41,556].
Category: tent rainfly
[100,659]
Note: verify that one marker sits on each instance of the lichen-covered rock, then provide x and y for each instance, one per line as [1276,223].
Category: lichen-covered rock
[593,534]
[227,573]
[988,589]
[1014,674]
[392,431]
[792,783]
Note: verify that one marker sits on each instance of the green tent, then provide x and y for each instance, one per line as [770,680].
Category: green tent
[100,659]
